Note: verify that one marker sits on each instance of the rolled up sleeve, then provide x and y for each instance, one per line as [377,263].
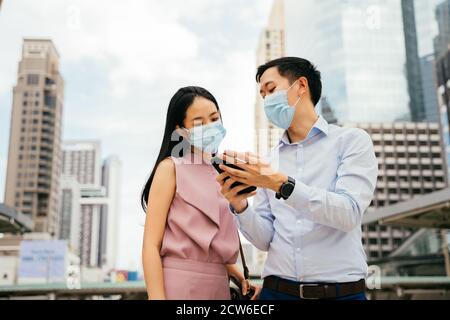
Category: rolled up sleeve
[343,206]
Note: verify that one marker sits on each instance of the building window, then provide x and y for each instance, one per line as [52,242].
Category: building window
[33,79]
[50,100]
[374,254]
[36,103]
[24,104]
[25,94]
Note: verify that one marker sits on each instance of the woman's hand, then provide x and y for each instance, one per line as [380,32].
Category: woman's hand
[238,202]
[246,286]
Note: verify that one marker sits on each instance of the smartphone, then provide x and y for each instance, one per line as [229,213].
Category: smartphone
[217,161]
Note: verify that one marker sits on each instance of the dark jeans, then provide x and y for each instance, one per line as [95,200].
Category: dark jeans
[269,294]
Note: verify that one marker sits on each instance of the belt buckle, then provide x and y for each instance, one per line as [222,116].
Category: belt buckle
[307,285]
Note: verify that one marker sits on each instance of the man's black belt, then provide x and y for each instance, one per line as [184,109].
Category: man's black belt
[313,290]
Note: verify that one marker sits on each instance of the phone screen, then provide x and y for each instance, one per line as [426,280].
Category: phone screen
[217,161]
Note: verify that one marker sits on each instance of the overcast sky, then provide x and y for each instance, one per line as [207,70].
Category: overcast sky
[122,61]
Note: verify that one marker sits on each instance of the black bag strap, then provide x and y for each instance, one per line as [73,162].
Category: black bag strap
[244,265]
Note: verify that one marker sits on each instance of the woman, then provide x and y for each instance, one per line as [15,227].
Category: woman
[190,242]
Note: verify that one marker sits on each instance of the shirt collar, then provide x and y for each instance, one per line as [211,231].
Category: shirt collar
[321,125]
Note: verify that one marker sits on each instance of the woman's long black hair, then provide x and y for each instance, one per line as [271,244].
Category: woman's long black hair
[176,114]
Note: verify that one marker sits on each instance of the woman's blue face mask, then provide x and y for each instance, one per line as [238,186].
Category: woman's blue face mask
[208,137]
[278,110]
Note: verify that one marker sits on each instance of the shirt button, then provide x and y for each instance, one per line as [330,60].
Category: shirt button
[299,221]
[298,249]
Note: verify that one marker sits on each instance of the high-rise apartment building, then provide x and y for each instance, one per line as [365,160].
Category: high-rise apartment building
[34,155]
[90,203]
[82,159]
[411,164]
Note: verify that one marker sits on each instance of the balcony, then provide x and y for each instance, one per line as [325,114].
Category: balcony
[416,185]
[440,185]
[392,184]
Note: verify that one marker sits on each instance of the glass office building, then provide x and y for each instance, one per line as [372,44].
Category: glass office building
[359,46]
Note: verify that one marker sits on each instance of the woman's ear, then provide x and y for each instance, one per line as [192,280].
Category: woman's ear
[181,131]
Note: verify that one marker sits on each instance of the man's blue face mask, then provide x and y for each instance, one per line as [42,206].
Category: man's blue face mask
[278,110]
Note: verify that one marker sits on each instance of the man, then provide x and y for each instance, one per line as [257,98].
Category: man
[307,212]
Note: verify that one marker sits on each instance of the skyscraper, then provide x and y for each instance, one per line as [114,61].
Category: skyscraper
[426,25]
[359,46]
[443,76]
[34,156]
[427,29]
[442,52]
[442,40]
[271,46]
[429,86]
[111,180]
[413,63]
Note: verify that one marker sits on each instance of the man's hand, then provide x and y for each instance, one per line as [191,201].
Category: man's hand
[238,202]
[257,172]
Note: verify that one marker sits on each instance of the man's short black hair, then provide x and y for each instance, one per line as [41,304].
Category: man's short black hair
[294,68]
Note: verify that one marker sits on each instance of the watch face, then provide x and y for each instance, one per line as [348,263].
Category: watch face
[287,189]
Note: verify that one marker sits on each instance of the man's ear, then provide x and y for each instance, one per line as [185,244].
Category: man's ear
[303,85]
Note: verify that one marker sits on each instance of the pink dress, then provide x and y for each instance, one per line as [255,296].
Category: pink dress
[200,236]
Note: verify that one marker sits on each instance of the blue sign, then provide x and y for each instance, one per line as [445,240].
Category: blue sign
[43,259]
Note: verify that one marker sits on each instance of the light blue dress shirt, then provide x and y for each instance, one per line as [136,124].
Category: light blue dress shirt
[316,236]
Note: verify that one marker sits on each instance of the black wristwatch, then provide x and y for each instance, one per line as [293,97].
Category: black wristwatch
[286,189]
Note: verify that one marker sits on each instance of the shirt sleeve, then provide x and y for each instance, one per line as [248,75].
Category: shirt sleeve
[256,222]
[343,207]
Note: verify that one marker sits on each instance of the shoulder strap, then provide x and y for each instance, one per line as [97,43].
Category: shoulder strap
[244,265]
